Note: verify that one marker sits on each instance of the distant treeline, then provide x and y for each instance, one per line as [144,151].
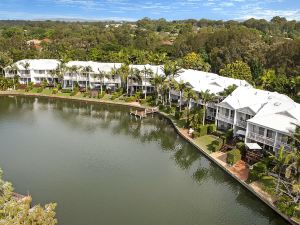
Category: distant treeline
[271,49]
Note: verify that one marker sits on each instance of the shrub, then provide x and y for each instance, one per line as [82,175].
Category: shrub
[213,146]
[178,115]
[233,156]
[202,130]
[211,128]
[59,86]
[161,107]
[195,134]
[116,94]
[66,90]
[130,99]
[285,205]
[101,95]
[75,91]
[143,101]
[40,90]
[258,170]
[297,212]
[242,147]
[54,91]
[229,135]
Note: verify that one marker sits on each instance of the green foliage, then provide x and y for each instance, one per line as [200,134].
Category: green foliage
[258,170]
[130,99]
[242,147]
[238,70]
[196,134]
[100,96]
[22,211]
[178,114]
[40,90]
[233,156]
[75,91]
[285,205]
[202,130]
[228,135]
[116,94]
[54,91]
[66,91]
[211,128]
[195,61]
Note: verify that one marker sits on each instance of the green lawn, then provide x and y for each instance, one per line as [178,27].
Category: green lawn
[206,143]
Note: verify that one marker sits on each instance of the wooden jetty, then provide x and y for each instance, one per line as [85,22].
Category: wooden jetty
[143,113]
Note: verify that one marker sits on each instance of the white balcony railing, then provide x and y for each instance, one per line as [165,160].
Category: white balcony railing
[224,118]
[261,138]
[241,123]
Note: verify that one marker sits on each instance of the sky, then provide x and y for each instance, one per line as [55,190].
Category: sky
[132,10]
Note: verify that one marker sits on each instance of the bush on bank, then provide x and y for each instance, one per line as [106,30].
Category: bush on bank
[233,156]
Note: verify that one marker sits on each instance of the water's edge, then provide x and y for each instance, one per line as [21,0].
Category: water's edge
[209,157]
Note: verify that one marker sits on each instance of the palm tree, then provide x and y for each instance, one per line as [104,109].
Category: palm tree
[206,97]
[14,69]
[148,73]
[134,74]
[102,75]
[113,72]
[73,70]
[280,159]
[60,71]
[191,95]
[182,86]
[26,66]
[86,72]
[124,72]
[167,70]
[157,82]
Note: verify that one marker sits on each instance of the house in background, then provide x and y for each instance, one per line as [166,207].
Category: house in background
[266,118]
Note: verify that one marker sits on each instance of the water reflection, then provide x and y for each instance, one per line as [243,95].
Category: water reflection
[89,117]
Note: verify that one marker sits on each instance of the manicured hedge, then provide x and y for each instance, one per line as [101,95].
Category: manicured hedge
[202,130]
[233,156]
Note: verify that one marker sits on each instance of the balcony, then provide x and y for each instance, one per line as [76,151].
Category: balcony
[261,139]
[224,118]
[241,123]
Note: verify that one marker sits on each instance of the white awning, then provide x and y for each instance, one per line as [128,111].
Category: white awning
[241,132]
[253,146]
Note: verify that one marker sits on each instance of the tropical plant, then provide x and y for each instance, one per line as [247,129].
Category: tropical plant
[206,97]
[147,74]
[86,71]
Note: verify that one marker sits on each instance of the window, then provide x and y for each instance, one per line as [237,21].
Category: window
[270,134]
[226,112]
[261,131]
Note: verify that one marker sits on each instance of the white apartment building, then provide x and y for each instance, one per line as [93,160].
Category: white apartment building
[33,70]
[203,81]
[87,73]
[262,117]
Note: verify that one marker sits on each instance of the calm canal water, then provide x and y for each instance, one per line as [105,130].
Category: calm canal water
[104,167]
